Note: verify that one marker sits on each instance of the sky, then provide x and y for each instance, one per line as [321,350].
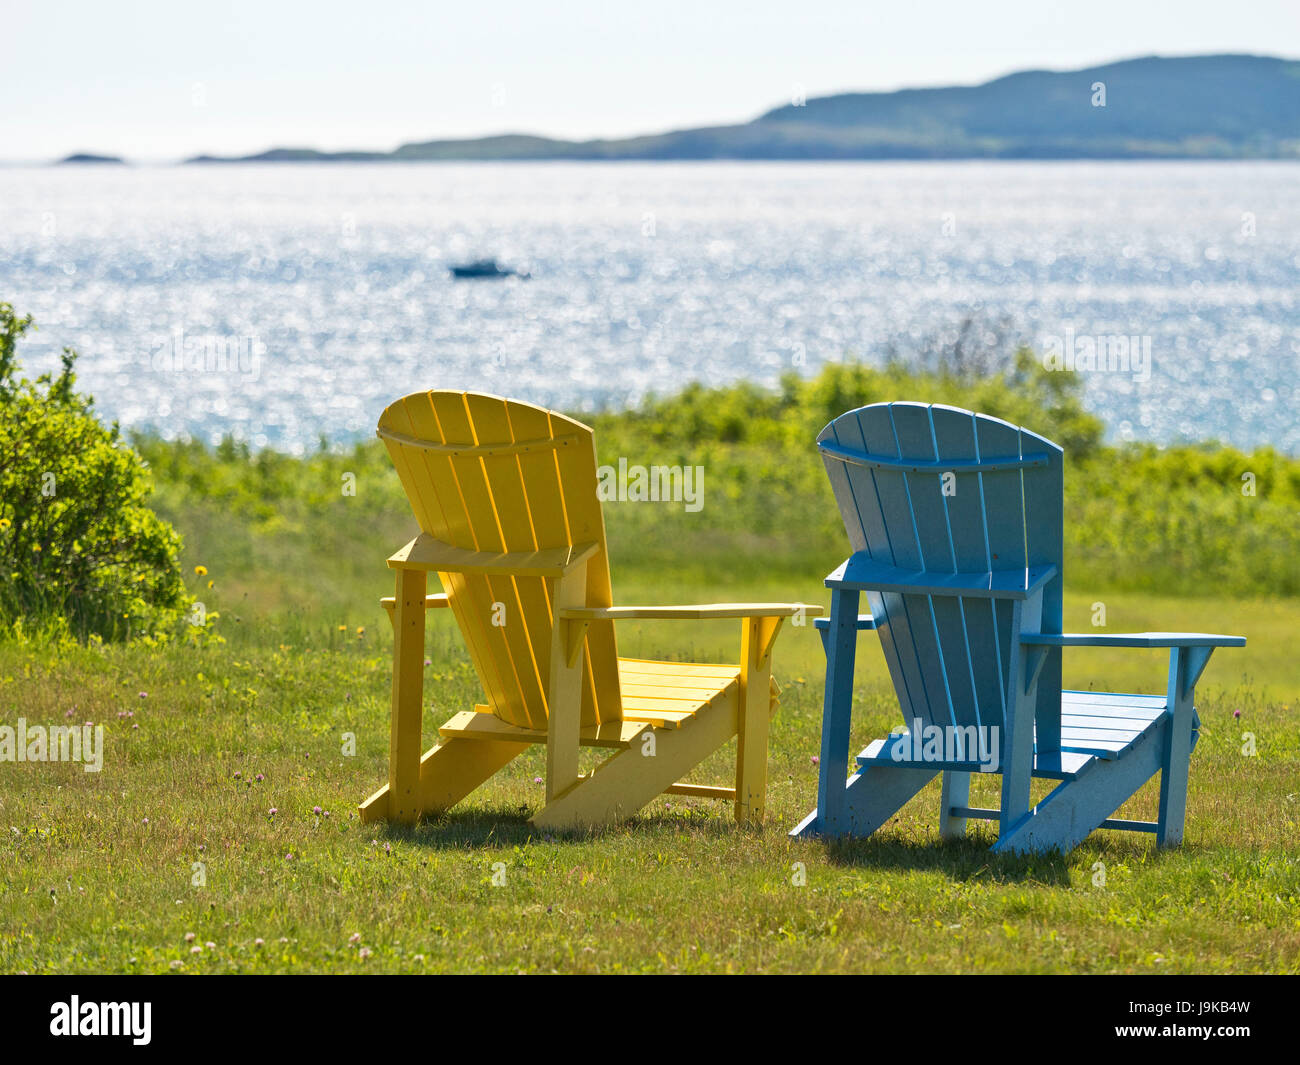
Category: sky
[166,79]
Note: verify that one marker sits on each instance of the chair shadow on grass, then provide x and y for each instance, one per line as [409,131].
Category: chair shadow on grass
[970,858]
[493,827]
[966,859]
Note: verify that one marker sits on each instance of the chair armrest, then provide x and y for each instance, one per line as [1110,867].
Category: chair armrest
[1131,639]
[702,612]
[431,602]
[428,553]
[1189,651]
[865,621]
[864,573]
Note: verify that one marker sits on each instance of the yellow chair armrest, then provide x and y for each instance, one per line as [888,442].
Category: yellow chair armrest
[701,612]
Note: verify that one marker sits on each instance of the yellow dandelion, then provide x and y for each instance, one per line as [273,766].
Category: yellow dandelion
[4,523]
[361,631]
[200,571]
[343,628]
[36,547]
[212,584]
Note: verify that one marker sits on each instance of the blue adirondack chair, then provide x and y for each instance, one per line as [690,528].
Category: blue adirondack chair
[955,520]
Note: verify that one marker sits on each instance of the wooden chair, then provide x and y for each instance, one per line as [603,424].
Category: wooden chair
[956,525]
[505,496]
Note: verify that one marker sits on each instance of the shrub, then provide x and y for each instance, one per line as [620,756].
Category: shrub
[79,546]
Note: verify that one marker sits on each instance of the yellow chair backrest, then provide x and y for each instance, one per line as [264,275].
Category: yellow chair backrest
[484,473]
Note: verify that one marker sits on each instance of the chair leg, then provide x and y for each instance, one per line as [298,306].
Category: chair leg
[449,771]
[564,695]
[956,792]
[1177,752]
[875,794]
[841,652]
[630,778]
[1017,756]
[408,697]
[755,713]
[1076,808]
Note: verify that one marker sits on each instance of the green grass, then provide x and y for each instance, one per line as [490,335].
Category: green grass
[97,868]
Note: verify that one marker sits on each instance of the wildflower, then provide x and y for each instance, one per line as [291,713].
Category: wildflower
[1236,715]
[189,937]
[816,760]
[361,631]
[259,941]
[200,571]
[4,523]
[210,945]
[273,811]
[316,810]
[343,628]
[196,949]
[355,937]
[363,953]
[143,695]
[238,774]
[259,778]
[538,780]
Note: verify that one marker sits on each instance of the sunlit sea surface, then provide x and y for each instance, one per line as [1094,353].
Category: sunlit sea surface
[280,303]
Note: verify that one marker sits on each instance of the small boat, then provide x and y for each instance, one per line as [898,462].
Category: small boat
[481,268]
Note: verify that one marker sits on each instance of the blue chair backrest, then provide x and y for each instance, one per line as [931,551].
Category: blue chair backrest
[941,490]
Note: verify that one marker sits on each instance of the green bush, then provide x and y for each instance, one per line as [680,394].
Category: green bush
[79,547]
[1137,516]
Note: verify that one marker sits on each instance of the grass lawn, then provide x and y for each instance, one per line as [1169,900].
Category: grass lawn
[98,871]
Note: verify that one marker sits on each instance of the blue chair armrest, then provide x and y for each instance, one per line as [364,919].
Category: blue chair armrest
[1131,639]
[865,621]
[863,573]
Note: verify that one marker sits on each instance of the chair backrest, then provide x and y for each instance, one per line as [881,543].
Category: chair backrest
[490,474]
[937,489]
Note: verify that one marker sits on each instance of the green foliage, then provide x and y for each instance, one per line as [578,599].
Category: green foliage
[1190,520]
[1026,394]
[269,489]
[1172,520]
[79,546]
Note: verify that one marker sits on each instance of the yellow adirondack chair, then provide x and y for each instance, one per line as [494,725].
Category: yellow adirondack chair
[505,496]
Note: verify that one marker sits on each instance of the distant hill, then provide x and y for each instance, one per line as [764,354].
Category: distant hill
[85,157]
[1194,107]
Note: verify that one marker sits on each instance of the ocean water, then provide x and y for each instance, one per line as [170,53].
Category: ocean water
[280,303]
